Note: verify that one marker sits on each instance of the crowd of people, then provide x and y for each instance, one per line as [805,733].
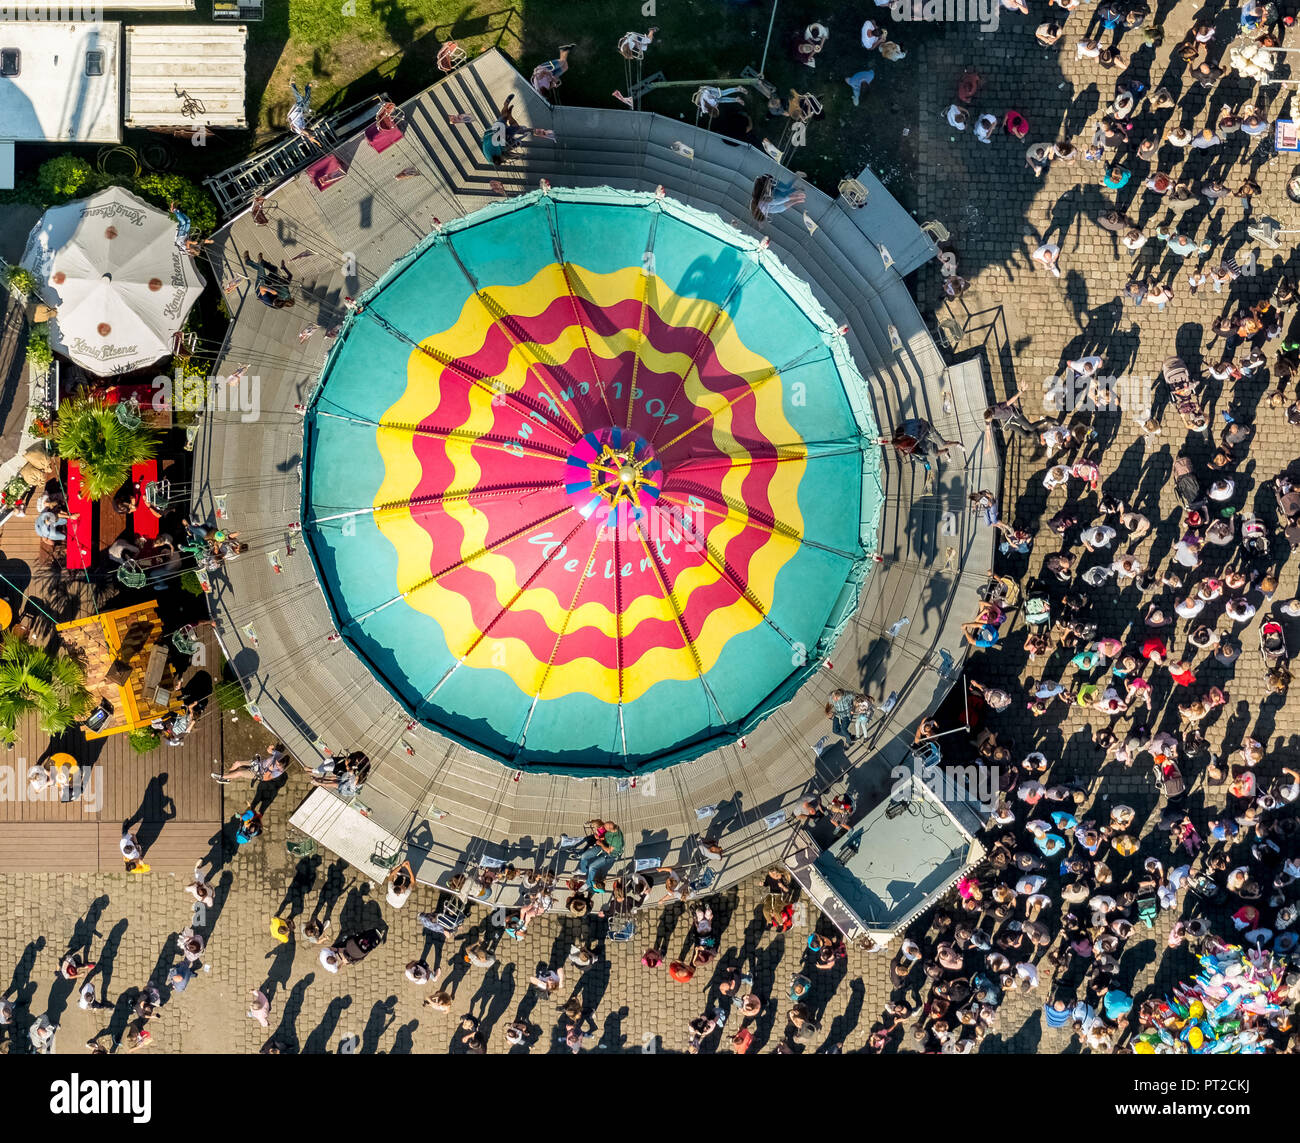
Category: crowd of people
[1136,627]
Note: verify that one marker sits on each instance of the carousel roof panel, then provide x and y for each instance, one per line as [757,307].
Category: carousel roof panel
[589,479]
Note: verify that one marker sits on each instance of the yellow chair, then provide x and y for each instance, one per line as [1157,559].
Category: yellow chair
[65,769]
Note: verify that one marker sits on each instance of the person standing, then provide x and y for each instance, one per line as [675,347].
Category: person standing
[839,709]
[72,967]
[132,854]
[41,1035]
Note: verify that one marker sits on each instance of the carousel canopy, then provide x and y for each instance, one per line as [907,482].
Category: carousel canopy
[110,266]
[591,481]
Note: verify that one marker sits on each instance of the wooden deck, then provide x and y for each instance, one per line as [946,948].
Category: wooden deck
[166,794]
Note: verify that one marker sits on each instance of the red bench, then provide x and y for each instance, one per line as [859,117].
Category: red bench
[80,547]
[144,521]
[327,171]
[381,138]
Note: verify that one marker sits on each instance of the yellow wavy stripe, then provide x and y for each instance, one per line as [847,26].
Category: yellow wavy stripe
[414,547]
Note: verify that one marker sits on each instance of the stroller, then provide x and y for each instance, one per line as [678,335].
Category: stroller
[1206,888]
[1288,499]
[1272,644]
[1038,611]
[360,945]
[1254,536]
[1185,394]
[1148,902]
[1001,590]
[1169,779]
[1185,482]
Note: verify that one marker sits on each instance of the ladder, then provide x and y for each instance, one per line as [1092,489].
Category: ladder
[235,187]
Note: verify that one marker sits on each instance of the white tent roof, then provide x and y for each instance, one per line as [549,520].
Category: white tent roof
[66,89]
[110,266]
[206,64]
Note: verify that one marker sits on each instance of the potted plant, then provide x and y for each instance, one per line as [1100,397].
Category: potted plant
[22,283]
[50,685]
[39,351]
[89,431]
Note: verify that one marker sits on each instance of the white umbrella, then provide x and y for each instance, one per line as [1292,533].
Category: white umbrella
[110,266]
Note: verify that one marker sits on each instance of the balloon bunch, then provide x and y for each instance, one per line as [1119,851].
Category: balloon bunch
[1212,1013]
[1251,61]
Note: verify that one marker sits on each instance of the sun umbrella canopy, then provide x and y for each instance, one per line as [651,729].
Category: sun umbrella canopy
[110,266]
[591,482]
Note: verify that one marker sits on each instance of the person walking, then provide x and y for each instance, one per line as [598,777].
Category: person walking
[41,1035]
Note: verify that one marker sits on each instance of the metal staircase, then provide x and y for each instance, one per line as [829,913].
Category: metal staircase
[235,187]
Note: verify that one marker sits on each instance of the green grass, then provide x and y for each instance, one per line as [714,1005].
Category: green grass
[391,47]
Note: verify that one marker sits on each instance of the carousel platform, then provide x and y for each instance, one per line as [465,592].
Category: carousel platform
[445,806]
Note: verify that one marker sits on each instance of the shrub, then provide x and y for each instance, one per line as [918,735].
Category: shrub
[190,583]
[23,280]
[63,176]
[39,352]
[144,739]
[162,188]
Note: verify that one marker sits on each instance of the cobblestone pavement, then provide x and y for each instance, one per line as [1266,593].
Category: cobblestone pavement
[1030,324]
[129,927]
[135,922]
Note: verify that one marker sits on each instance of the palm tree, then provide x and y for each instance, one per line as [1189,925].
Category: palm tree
[88,431]
[33,680]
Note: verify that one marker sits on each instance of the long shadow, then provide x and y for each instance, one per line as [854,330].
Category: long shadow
[382,1014]
[277,976]
[156,809]
[302,883]
[612,1038]
[266,792]
[84,932]
[21,986]
[220,895]
[163,966]
[498,1000]
[108,954]
[286,1031]
[361,911]
[591,986]
[318,1040]
[404,1039]
[331,890]
[847,1021]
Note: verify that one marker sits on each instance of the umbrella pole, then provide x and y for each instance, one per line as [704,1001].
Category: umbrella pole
[762,67]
